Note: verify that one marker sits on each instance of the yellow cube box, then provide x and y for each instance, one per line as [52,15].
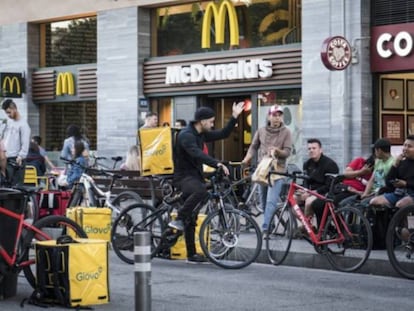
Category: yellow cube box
[178,250]
[95,221]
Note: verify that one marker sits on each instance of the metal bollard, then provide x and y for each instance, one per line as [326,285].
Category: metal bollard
[142,268]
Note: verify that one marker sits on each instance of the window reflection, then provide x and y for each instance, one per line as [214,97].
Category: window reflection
[70,42]
[260,23]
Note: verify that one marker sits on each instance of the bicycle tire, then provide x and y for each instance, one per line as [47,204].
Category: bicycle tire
[278,238]
[54,226]
[353,252]
[225,242]
[400,241]
[122,200]
[129,221]
[76,197]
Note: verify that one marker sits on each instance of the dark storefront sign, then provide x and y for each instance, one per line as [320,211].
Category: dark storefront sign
[12,84]
[223,71]
[392,48]
[69,83]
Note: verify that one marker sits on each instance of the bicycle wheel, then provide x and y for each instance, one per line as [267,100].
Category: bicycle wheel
[53,227]
[354,251]
[76,197]
[225,242]
[400,241]
[135,218]
[124,199]
[278,238]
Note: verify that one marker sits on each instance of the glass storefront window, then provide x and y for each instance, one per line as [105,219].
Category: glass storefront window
[59,116]
[69,42]
[260,23]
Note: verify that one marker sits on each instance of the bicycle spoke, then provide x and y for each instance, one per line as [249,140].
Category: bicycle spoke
[400,242]
[135,218]
[350,254]
[225,241]
[279,236]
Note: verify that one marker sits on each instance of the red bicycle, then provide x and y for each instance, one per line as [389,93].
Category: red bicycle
[18,235]
[344,234]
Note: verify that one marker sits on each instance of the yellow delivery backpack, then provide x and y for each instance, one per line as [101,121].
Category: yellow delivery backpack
[95,221]
[156,151]
[71,272]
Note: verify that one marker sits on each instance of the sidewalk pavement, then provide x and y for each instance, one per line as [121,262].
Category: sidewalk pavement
[303,254]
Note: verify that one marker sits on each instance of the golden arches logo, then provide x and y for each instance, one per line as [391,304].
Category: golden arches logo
[65,84]
[218,12]
[10,81]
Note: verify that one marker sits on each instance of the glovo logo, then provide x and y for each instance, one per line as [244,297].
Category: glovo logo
[8,85]
[65,84]
[218,12]
[89,276]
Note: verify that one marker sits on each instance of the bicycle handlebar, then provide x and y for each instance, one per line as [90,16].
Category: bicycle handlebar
[94,170]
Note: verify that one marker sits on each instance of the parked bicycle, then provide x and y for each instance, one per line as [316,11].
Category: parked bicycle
[400,241]
[221,235]
[344,235]
[242,193]
[86,192]
[18,235]
[30,193]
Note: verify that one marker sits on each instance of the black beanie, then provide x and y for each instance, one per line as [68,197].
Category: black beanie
[203,113]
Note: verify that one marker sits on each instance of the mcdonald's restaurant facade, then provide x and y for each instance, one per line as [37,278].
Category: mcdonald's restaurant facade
[174,56]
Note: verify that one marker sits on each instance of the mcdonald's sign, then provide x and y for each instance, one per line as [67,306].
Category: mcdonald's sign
[12,84]
[65,84]
[218,12]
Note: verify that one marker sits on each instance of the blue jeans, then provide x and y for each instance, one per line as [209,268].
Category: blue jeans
[272,200]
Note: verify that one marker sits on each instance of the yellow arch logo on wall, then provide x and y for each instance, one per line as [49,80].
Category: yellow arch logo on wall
[65,84]
[218,12]
[8,85]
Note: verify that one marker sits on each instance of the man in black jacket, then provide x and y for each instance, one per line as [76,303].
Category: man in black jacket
[188,169]
[316,167]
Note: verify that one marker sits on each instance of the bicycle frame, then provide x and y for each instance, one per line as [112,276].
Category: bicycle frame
[328,209]
[11,260]
[90,185]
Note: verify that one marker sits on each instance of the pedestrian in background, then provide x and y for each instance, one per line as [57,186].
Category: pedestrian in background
[180,123]
[151,120]
[38,140]
[132,160]
[16,141]
[75,171]
[35,159]
[73,134]
[274,140]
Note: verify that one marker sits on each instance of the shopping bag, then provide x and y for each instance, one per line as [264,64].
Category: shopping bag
[71,273]
[156,151]
[261,174]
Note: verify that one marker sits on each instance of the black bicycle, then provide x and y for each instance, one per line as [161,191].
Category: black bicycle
[400,241]
[222,236]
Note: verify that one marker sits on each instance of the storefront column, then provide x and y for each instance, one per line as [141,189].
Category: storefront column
[118,79]
[335,103]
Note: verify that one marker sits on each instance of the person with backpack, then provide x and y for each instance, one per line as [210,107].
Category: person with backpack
[188,169]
